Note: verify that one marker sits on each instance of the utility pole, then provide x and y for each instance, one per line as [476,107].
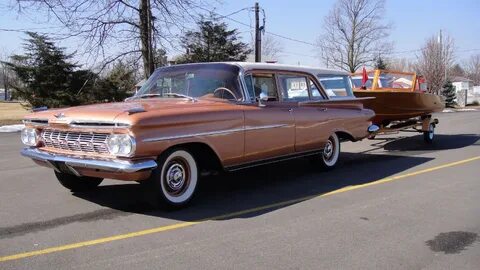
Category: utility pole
[258,36]
[443,54]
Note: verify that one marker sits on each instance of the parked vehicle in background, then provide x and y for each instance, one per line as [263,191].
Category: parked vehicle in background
[193,118]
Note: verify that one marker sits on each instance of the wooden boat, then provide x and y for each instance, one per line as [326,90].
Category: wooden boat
[398,96]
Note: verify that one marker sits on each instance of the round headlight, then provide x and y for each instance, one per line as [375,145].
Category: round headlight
[120,145]
[29,136]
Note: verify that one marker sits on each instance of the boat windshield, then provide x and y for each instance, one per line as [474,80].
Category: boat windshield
[193,81]
[336,86]
[386,80]
[396,80]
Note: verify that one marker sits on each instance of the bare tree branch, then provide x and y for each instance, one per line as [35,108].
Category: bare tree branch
[102,24]
[354,34]
[435,58]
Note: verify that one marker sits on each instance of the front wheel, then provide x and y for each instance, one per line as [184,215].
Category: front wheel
[429,135]
[175,179]
[330,154]
[76,183]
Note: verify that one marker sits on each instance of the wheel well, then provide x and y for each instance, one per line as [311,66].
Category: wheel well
[203,154]
[344,136]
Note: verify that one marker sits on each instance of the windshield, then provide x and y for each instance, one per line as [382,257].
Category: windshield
[336,86]
[193,81]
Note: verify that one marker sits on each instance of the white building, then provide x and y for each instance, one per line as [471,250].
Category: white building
[464,88]
[2,94]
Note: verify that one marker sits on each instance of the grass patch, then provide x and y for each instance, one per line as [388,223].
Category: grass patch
[11,113]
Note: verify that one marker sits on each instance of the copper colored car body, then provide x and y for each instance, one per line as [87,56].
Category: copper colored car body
[192,118]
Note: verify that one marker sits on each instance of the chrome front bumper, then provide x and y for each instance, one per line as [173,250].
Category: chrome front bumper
[109,165]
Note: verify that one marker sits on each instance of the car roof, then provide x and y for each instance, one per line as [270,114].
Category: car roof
[308,69]
[247,66]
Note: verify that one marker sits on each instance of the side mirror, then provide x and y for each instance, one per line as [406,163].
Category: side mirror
[262,97]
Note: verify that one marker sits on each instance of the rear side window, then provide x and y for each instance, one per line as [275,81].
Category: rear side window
[294,87]
[336,86]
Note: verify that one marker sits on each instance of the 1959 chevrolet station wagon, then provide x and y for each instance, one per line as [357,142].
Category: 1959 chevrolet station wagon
[192,118]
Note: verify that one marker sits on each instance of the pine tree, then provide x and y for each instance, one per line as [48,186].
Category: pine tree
[44,73]
[449,93]
[47,77]
[380,63]
[213,42]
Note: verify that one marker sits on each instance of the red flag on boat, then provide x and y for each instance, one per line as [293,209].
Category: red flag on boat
[364,76]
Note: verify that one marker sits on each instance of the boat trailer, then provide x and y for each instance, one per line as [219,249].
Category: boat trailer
[423,124]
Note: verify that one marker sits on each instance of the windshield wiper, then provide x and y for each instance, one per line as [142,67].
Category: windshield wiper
[180,96]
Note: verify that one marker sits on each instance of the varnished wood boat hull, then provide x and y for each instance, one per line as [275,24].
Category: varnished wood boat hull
[396,105]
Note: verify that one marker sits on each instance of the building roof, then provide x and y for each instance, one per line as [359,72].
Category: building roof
[460,79]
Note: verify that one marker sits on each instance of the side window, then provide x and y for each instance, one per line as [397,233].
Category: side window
[294,87]
[249,83]
[316,95]
[263,83]
[336,86]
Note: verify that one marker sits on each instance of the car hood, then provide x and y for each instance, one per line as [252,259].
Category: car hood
[125,112]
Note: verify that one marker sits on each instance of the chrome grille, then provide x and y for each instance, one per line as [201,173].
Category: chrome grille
[75,141]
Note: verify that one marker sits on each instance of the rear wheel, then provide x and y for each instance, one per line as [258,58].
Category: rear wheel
[331,152]
[429,135]
[175,179]
[76,183]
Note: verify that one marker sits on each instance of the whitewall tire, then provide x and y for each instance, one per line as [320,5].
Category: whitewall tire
[175,179]
[331,152]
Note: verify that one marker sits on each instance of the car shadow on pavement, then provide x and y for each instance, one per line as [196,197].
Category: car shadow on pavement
[441,142]
[258,187]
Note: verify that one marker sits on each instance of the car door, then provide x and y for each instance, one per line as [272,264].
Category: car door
[312,123]
[269,129]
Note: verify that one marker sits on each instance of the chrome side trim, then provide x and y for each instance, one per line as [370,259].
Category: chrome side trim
[109,165]
[210,133]
[36,122]
[265,127]
[219,132]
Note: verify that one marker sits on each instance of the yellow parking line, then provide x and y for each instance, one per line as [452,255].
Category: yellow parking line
[229,215]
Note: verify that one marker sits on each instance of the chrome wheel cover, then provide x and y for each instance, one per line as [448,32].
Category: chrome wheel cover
[328,150]
[177,177]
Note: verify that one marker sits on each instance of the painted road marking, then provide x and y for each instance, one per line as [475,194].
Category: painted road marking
[229,215]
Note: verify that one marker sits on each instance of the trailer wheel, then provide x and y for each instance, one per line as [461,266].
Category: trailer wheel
[429,135]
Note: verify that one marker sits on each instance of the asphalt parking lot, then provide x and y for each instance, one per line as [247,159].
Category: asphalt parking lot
[392,203]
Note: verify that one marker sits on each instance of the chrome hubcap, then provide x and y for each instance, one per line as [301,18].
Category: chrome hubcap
[328,150]
[176,177]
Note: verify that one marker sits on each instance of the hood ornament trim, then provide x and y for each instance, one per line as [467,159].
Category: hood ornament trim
[59,115]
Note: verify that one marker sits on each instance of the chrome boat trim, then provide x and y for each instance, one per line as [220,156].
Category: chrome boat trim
[210,133]
[109,165]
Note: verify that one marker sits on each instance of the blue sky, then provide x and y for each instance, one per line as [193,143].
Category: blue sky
[413,22]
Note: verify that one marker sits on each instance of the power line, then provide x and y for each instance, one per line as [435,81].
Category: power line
[303,41]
